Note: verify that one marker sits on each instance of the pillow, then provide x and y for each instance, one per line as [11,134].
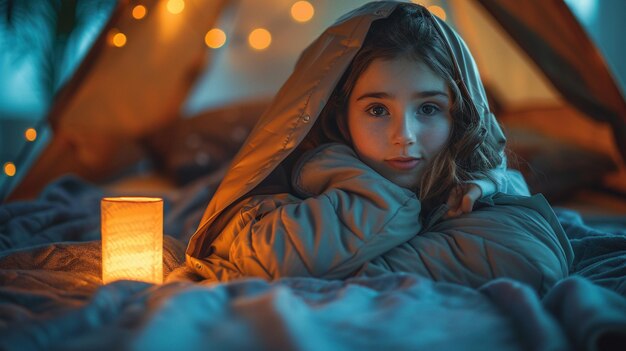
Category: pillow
[193,147]
[554,167]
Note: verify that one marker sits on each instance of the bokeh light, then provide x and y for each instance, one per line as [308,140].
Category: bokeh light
[118,39]
[139,12]
[260,39]
[175,6]
[30,134]
[9,169]
[215,38]
[302,11]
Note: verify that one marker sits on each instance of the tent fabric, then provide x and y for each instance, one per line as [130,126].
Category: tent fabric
[548,32]
[109,103]
[497,55]
[567,56]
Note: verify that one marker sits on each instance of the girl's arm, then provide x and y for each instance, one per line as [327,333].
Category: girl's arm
[505,180]
[508,181]
[350,215]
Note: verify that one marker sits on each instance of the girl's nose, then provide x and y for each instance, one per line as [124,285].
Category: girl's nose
[404,131]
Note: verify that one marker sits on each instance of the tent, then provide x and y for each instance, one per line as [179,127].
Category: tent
[162,88]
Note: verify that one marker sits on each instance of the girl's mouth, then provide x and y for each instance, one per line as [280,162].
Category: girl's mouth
[403,163]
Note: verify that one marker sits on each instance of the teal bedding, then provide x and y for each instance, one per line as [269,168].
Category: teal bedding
[51,296]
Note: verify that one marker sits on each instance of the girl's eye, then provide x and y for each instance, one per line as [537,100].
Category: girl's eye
[429,109]
[378,111]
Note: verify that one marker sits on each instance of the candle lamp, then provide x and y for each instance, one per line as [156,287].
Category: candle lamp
[132,239]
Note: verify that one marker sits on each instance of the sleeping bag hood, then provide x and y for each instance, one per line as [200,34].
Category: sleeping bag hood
[299,102]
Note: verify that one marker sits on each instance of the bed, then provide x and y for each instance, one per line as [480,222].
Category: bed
[52,296]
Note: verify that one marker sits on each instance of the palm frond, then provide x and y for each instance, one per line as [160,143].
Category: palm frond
[27,37]
[53,36]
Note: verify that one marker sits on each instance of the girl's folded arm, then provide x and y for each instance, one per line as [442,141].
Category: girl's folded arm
[502,179]
[352,214]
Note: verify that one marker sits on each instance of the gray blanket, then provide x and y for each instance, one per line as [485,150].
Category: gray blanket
[52,297]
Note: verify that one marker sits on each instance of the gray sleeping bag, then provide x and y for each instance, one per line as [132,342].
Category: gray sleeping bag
[505,236]
[346,219]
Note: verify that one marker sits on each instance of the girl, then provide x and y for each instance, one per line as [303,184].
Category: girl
[379,154]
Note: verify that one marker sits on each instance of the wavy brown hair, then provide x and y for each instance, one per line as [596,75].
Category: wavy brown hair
[410,31]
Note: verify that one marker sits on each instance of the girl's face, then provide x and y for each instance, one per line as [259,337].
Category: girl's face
[399,118]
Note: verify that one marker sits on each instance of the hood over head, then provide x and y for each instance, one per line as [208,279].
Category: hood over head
[299,102]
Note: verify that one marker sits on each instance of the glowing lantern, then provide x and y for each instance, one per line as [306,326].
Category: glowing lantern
[132,239]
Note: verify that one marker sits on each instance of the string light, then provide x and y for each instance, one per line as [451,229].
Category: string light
[30,134]
[302,11]
[437,11]
[139,12]
[9,169]
[175,6]
[215,38]
[260,39]
[117,38]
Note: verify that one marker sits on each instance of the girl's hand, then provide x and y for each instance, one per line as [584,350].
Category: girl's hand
[462,199]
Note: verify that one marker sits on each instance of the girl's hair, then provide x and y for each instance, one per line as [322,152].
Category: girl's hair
[410,32]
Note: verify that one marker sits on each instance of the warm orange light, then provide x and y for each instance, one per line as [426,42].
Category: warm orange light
[260,39]
[9,169]
[117,38]
[215,38]
[30,134]
[302,11]
[175,6]
[132,239]
[139,12]
[437,11]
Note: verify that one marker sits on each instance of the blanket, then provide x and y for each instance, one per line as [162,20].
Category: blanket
[52,297]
